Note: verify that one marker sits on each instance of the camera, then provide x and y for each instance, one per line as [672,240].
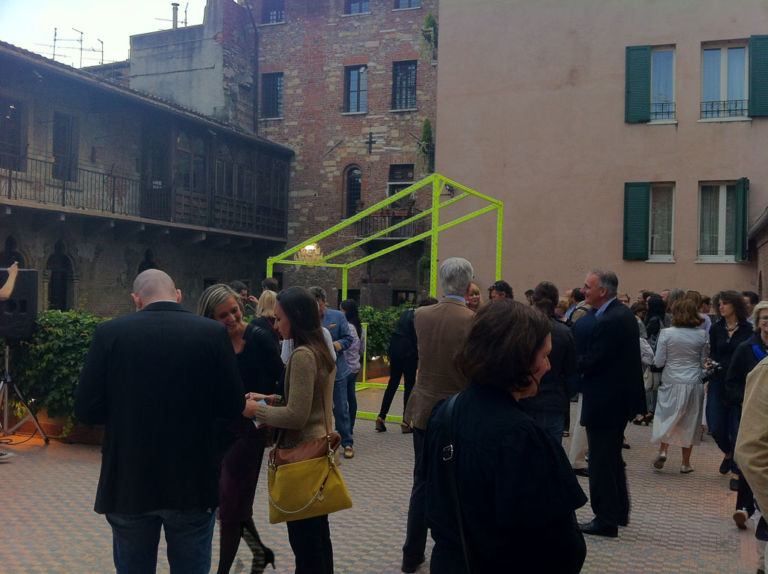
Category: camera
[714,370]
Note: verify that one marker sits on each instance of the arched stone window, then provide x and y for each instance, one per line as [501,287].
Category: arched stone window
[353,186]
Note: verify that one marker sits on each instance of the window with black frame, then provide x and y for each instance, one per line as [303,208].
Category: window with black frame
[273,11]
[356,89]
[357,6]
[404,85]
[272,95]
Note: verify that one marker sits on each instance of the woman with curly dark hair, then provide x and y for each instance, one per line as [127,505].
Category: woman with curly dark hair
[514,482]
[725,335]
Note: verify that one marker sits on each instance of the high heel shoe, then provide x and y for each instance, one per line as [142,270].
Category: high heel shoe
[261,554]
[380,426]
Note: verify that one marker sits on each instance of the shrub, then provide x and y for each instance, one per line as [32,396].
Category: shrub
[381,323]
[47,367]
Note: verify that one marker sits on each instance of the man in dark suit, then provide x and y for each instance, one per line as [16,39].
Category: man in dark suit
[441,332]
[158,379]
[608,346]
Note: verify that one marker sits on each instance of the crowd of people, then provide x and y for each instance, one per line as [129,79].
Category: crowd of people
[488,392]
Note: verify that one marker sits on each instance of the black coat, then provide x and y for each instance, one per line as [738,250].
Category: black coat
[403,345]
[554,392]
[721,348]
[741,364]
[158,379]
[516,489]
[608,350]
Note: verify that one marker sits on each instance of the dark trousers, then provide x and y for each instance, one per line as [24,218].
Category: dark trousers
[397,369]
[311,544]
[416,531]
[608,492]
[720,420]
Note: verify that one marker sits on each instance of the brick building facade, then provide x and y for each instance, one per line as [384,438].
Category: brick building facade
[348,85]
[345,84]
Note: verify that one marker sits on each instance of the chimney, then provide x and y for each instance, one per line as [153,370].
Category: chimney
[175,14]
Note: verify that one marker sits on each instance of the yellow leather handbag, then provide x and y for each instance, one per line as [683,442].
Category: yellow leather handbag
[304,481]
[306,488]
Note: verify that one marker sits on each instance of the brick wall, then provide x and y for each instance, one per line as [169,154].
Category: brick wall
[311,48]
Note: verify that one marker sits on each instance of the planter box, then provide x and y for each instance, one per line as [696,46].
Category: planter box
[54,427]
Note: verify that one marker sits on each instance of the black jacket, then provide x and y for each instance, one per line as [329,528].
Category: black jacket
[158,379]
[403,345]
[553,395]
[608,349]
[721,348]
[742,362]
[516,489]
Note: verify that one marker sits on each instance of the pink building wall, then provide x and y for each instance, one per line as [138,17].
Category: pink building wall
[531,111]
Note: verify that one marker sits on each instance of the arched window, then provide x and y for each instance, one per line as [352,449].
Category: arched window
[60,284]
[10,253]
[353,185]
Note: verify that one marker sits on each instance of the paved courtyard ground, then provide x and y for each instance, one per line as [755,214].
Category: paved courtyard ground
[679,523]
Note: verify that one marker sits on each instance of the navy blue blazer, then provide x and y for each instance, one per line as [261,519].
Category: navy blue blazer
[608,349]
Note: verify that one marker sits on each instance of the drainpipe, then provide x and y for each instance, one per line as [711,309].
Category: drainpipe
[175,14]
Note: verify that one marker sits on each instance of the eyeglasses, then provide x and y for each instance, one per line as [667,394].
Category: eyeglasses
[763,319]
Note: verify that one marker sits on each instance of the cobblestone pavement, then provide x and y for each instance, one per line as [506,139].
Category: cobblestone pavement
[679,523]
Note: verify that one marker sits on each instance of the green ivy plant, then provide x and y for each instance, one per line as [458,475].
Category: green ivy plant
[381,324]
[47,367]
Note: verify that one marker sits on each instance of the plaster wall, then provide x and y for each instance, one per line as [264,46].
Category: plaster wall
[531,111]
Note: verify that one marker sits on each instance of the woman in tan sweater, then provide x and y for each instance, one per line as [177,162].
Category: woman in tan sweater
[304,413]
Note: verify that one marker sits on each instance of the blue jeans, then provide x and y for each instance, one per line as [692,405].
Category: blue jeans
[341,409]
[188,534]
[551,421]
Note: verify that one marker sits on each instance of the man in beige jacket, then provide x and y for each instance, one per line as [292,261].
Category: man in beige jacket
[752,442]
[441,331]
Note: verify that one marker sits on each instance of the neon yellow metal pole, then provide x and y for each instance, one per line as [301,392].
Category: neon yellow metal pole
[499,235]
[435,234]
[344,278]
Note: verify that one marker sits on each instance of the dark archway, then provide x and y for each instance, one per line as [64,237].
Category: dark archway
[60,283]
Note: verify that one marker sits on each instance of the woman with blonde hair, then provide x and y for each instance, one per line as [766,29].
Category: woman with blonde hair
[474,299]
[681,349]
[260,367]
[265,314]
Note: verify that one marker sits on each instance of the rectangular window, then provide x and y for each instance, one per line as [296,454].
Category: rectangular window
[404,85]
[662,84]
[660,246]
[356,6]
[272,95]
[65,147]
[356,89]
[273,11]
[724,81]
[407,3]
[10,134]
[717,220]
[400,177]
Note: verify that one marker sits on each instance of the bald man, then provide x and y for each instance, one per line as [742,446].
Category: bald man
[158,379]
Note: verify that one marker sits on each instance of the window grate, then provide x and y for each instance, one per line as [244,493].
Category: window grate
[724,109]
[663,111]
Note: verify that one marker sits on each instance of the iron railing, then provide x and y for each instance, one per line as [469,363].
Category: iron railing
[379,222]
[724,109]
[663,111]
[32,180]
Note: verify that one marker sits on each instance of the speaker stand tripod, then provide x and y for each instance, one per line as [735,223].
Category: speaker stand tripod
[6,386]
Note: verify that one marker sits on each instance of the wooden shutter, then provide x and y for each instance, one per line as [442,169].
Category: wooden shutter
[740,239]
[758,76]
[637,202]
[637,105]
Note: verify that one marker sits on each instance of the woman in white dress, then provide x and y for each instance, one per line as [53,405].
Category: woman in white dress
[681,350]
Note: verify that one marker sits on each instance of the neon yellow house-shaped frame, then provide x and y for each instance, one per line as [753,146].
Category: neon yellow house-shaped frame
[441,187]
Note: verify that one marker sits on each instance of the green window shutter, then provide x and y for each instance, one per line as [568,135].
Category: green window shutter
[742,196]
[637,203]
[637,104]
[758,76]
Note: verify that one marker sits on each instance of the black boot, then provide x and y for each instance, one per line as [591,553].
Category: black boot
[261,554]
